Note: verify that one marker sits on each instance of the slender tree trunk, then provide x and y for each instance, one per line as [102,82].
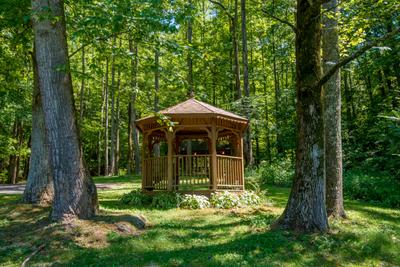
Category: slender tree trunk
[189,56]
[248,150]
[332,115]
[117,148]
[99,145]
[305,210]
[82,94]
[235,44]
[349,115]
[113,116]
[39,188]
[134,151]
[13,161]
[75,193]
[156,89]
[267,132]
[106,162]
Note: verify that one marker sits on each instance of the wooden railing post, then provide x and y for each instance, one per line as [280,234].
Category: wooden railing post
[214,164]
[170,137]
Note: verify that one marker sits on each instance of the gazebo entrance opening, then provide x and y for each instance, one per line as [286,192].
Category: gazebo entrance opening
[202,152]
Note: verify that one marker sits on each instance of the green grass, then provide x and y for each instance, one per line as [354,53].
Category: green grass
[370,237]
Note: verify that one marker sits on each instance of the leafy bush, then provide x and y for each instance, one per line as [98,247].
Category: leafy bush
[136,198]
[224,200]
[168,200]
[249,198]
[276,173]
[194,202]
[227,200]
[378,187]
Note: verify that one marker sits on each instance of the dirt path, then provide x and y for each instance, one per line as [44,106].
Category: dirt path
[19,188]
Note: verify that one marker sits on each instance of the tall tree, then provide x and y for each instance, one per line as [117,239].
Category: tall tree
[39,187]
[74,191]
[305,210]
[332,113]
[189,56]
[248,150]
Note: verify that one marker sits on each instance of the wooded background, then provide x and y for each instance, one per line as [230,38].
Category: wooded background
[129,59]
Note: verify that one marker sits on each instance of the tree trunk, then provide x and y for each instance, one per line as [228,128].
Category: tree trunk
[106,159]
[117,148]
[134,151]
[235,44]
[39,188]
[267,132]
[189,56]
[156,89]
[82,94]
[305,210]
[113,117]
[102,123]
[14,158]
[248,149]
[332,115]
[74,191]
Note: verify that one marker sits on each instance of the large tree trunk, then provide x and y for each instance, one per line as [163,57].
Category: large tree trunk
[248,149]
[332,115]
[74,191]
[305,210]
[39,187]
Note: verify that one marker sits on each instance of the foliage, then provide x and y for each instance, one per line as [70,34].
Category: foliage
[168,200]
[378,188]
[229,200]
[194,202]
[277,173]
[136,198]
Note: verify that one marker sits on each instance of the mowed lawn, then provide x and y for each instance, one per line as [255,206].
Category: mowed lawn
[240,237]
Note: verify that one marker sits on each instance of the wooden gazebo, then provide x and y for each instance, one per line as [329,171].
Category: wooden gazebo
[201,153]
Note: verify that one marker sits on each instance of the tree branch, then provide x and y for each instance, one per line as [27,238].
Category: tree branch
[280,20]
[355,55]
[223,8]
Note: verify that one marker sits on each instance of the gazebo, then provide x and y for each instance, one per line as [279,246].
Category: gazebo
[192,147]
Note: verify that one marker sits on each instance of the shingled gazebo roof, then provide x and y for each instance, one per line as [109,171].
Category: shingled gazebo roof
[195,108]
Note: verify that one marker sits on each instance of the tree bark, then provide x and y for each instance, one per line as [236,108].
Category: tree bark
[235,44]
[74,191]
[189,56]
[113,117]
[332,115]
[39,188]
[305,210]
[82,93]
[106,126]
[248,149]
[134,151]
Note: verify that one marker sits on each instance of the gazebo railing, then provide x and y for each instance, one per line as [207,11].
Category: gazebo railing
[155,174]
[193,172]
[229,172]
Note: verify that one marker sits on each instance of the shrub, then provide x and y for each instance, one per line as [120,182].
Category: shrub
[136,198]
[168,200]
[194,202]
[377,187]
[224,200]
[277,173]
[249,198]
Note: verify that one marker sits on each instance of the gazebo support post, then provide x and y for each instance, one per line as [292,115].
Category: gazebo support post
[170,137]
[144,156]
[213,147]
[241,155]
